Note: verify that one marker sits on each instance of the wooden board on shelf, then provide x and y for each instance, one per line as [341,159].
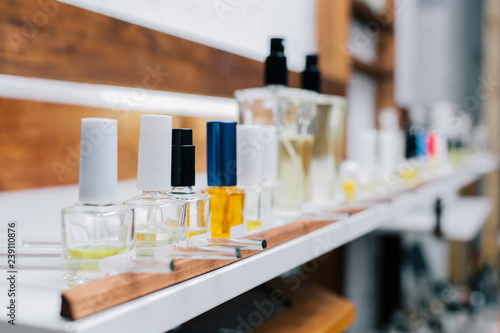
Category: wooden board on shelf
[88,299]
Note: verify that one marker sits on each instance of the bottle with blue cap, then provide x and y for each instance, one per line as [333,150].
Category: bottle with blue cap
[159,219]
[97,226]
[227,200]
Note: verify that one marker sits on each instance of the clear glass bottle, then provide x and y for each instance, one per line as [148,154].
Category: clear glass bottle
[289,110]
[182,180]
[227,202]
[159,219]
[97,227]
[96,231]
[327,128]
[349,176]
[197,209]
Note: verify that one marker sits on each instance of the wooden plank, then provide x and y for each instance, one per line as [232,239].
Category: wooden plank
[332,26]
[490,107]
[39,142]
[72,44]
[88,299]
[375,70]
[78,45]
[363,13]
[313,309]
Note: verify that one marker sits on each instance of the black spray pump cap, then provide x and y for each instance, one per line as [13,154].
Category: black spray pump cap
[183,169]
[276,70]
[311,76]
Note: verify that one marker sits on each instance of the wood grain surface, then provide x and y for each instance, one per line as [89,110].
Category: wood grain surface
[97,296]
[312,309]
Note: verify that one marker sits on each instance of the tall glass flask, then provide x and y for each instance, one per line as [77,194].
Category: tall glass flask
[288,109]
[327,111]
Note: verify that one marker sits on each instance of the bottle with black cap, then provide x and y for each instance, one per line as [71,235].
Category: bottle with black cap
[183,180]
[328,113]
[268,105]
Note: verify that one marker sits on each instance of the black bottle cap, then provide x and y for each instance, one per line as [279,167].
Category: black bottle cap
[411,144]
[183,158]
[311,76]
[276,70]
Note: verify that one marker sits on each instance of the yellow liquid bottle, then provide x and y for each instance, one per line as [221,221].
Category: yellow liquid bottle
[227,206]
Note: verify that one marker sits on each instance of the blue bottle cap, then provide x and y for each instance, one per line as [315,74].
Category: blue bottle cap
[221,153]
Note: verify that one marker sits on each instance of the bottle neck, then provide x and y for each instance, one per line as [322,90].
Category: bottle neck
[182,190]
[153,194]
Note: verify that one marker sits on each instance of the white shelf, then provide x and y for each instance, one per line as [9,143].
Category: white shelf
[39,293]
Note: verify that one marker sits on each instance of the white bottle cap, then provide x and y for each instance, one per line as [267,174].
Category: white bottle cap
[268,139]
[98,160]
[249,154]
[349,170]
[155,153]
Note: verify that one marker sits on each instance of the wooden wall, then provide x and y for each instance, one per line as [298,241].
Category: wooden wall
[39,142]
[53,40]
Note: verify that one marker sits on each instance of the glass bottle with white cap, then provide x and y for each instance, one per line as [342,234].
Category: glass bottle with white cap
[96,226]
[159,219]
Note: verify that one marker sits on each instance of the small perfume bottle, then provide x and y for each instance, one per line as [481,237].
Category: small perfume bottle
[96,226]
[257,197]
[159,219]
[349,175]
[227,201]
[183,180]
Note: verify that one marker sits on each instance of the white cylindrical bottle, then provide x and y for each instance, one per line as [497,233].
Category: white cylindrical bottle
[250,147]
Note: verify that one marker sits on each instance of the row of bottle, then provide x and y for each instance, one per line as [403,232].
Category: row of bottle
[393,158]
[310,128]
[242,195]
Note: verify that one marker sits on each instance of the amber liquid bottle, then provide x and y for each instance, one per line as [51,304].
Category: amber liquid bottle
[227,201]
